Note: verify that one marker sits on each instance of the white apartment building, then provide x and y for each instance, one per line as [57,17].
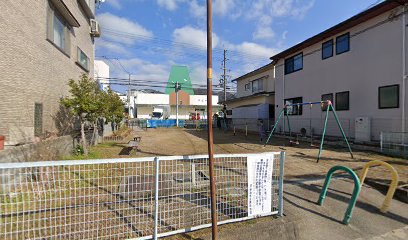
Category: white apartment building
[359,64]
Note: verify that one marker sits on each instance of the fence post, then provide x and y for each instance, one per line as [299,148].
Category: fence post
[281,172]
[156,197]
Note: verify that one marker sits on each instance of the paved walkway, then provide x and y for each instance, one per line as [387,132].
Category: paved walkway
[397,234]
[305,220]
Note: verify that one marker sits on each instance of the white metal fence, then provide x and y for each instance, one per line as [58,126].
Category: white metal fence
[127,198]
[394,143]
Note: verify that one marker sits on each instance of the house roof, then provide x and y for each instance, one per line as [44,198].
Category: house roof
[349,23]
[266,94]
[254,72]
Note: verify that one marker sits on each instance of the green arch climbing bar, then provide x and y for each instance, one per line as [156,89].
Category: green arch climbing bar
[356,191]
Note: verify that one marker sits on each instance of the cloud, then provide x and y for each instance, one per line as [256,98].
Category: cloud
[114,4]
[193,36]
[223,7]
[255,50]
[197,10]
[170,5]
[110,22]
[140,69]
[280,8]
[104,47]
[263,32]
[263,12]
[198,73]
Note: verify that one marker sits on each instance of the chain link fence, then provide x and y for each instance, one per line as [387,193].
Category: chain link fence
[394,143]
[130,198]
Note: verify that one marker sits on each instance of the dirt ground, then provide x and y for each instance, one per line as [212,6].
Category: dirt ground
[96,204]
[300,159]
[303,181]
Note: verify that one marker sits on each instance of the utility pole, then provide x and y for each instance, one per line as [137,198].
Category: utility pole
[214,226]
[224,68]
[177,88]
[128,99]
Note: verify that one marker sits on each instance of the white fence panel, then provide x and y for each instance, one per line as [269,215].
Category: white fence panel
[135,198]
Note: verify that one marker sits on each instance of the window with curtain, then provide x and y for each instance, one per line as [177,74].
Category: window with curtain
[257,85]
[58,31]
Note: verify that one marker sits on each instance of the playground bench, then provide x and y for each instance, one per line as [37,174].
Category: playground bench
[134,144]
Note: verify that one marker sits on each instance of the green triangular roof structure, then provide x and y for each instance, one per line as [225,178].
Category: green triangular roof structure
[179,74]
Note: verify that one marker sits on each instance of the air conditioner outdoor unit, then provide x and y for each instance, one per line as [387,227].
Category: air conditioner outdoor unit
[95,29]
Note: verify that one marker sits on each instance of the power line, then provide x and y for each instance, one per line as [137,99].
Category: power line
[176,43]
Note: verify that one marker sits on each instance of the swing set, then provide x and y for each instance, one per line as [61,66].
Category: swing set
[284,113]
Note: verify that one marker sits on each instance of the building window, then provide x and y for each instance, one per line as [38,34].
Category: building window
[257,85]
[58,31]
[388,97]
[294,63]
[294,109]
[343,43]
[327,49]
[83,60]
[38,119]
[325,98]
[342,101]
[247,86]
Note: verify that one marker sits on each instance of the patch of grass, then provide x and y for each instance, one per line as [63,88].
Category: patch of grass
[91,155]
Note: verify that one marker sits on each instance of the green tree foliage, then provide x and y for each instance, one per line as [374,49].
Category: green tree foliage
[89,103]
[114,107]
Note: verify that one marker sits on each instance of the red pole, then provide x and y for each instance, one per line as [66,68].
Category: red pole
[209,122]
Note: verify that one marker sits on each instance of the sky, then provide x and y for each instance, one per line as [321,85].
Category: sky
[145,38]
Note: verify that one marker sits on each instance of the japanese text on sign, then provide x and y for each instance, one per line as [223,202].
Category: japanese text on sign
[259,184]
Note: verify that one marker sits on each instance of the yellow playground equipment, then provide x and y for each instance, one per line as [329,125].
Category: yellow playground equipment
[393,185]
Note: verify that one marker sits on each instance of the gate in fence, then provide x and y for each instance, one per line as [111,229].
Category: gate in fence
[134,198]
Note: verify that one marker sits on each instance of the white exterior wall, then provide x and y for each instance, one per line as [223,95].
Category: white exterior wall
[201,100]
[268,83]
[144,103]
[151,98]
[374,60]
[101,70]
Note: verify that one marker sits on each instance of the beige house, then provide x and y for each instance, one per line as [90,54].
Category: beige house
[43,44]
[255,98]
[359,64]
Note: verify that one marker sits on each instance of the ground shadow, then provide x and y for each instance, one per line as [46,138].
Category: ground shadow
[365,206]
[308,209]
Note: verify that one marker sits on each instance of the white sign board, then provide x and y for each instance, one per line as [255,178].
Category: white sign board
[259,184]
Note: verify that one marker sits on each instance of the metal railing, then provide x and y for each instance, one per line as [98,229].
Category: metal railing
[394,143]
[134,198]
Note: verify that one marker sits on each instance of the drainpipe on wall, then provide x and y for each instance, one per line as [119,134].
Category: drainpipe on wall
[404,76]
[283,96]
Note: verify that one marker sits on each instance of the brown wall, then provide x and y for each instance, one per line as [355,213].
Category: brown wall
[32,69]
[184,98]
